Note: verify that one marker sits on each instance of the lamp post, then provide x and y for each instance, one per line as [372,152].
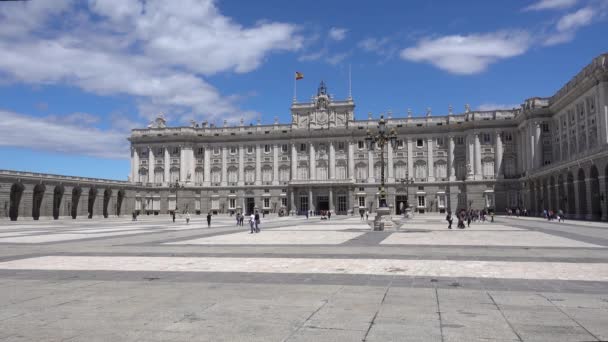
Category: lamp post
[407,182]
[176,186]
[381,138]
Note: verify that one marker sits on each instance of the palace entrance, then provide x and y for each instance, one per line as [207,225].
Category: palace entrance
[400,204]
[322,203]
[249,205]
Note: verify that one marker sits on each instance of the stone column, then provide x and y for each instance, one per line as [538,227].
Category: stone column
[430,160]
[312,162]
[258,164]
[311,202]
[167,165]
[183,167]
[134,164]
[294,161]
[498,153]
[451,168]
[241,165]
[602,116]
[478,171]
[151,165]
[293,202]
[521,155]
[470,157]
[391,171]
[275,164]
[207,165]
[331,200]
[332,161]
[531,148]
[370,167]
[538,149]
[190,163]
[604,203]
[224,165]
[351,160]
[410,158]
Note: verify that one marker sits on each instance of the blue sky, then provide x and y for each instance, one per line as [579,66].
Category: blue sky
[76,76]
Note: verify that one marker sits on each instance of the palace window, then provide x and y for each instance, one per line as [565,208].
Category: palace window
[341,171]
[487,138]
[176,150]
[267,148]
[267,174]
[216,176]
[420,169]
[284,148]
[341,146]
[421,201]
[232,203]
[419,142]
[303,203]
[545,127]
[266,202]
[284,174]
[303,172]
[284,202]
[459,140]
[249,149]
[249,175]
[441,169]
[488,168]
[322,171]
[400,143]
[302,147]
[216,151]
[508,137]
[198,175]
[440,141]
[361,144]
[361,171]
[232,175]
[200,151]
[362,201]
[232,150]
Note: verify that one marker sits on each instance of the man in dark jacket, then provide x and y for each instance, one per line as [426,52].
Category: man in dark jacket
[209,220]
[257,222]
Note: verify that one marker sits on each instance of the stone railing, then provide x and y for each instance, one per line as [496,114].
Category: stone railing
[53,177]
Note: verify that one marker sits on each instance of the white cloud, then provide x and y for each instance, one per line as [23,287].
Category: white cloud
[156,51]
[494,106]
[56,136]
[550,5]
[468,54]
[337,33]
[575,20]
[377,45]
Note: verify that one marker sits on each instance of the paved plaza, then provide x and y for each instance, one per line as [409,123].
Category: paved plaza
[517,279]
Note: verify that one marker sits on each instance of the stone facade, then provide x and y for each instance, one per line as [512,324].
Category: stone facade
[551,153]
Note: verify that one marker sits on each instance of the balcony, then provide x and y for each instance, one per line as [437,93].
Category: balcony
[321,182]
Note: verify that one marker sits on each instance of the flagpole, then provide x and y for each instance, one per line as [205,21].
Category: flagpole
[295,88]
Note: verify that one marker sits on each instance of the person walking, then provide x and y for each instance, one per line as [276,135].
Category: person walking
[238,218]
[329,215]
[367,216]
[361,212]
[449,219]
[252,223]
[469,219]
[187,218]
[257,222]
[208,219]
[560,216]
[173,215]
[307,214]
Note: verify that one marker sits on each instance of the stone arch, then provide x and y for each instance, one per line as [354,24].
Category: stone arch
[92,197]
[57,196]
[38,195]
[119,197]
[107,195]
[570,197]
[596,203]
[582,193]
[15,200]
[76,192]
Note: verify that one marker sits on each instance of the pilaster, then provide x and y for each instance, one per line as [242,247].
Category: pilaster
[275,164]
[498,155]
[241,181]
[151,165]
[370,167]
[224,166]
[451,167]
[294,162]
[430,160]
[207,165]
[312,162]
[410,158]
[351,160]
[167,165]
[332,161]
[391,171]
[258,164]
[478,171]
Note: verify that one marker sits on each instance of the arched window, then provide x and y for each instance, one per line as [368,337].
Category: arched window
[487,167]
[361,171]
[461,170]
[284,174]
[267,174]
[159,175]
[341,170]
[400,170]
[232,174]
[250,175]
[143,175]
[509,167]
[441,169]
[322,170]
[216,175]
[378,170]
[303,171]
[198,175]
[420,169]
[174,174]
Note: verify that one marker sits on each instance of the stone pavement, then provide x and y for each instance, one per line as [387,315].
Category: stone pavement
[302,280]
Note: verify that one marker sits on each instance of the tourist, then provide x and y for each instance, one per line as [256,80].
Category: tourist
[238,218]
[187,217]
[173,214]
[252,223]
[449,219]
[461,220]
[469,219]
[257,222]
[561,217]
[307,214]
[329,215]
[361,212]
[209,219]
[367,216]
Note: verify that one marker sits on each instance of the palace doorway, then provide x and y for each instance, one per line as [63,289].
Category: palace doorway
[322,203]
[250,205]
[400,204]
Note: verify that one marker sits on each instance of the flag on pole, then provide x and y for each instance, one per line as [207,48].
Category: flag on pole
[299,75]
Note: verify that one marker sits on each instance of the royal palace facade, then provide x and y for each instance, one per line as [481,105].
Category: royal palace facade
[551,153]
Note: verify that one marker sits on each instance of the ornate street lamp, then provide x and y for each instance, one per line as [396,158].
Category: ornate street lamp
[407,182]
[176,186]
[382,138]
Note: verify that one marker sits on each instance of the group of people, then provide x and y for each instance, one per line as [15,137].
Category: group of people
[254,221]
[517,212]
[551,215]
[468,216]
